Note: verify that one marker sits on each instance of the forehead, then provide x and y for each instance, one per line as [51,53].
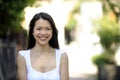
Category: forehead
[42,22]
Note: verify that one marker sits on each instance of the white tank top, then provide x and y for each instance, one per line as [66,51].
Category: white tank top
[32,74]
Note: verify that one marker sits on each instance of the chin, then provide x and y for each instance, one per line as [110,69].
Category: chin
[43,43]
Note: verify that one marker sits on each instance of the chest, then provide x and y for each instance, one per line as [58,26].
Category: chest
[43,63]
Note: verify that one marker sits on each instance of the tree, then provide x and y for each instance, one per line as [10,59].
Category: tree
[11,15]
[114,6]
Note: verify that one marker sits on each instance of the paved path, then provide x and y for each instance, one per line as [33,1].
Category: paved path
[81,78]
[80,64]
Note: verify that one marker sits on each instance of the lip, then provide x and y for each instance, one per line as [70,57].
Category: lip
[43,38]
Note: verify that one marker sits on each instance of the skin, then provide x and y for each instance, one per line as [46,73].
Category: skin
[21,67]
[42,55]
[64,71]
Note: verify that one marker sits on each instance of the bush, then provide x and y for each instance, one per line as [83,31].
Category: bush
[104,58]
[109,33]
[11,16]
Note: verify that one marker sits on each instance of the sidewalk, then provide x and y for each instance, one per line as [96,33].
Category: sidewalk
[84,77]
[80,64]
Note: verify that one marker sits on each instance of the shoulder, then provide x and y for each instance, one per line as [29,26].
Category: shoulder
[23,52]
[60,51]
[64,57]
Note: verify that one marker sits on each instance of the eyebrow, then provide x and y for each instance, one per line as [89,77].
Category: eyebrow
[45,26]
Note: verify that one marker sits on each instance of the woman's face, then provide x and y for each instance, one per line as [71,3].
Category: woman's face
[42,31]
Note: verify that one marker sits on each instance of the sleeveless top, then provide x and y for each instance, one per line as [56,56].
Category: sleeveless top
[32,74]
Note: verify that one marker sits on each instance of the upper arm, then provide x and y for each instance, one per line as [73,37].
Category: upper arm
[64,67]
[21,68]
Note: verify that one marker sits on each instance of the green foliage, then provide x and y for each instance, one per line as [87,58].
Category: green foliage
[112,5]
[11,15]
[71,23]
[76,8]
[109,32]
[104,58]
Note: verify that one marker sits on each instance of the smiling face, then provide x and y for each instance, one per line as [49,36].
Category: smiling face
[42,31]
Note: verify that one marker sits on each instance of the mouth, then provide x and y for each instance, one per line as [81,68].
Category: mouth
[43,38]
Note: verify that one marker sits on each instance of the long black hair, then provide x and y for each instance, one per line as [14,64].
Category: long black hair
[53,41]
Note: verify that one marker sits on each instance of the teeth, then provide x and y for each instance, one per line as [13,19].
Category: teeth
[43,38]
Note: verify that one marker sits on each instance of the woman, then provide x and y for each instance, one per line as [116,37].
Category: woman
[43,60]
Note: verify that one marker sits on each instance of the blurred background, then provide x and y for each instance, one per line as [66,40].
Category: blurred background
[89,31]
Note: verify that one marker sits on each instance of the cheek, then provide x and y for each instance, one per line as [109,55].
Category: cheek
[34,34]
[51,33]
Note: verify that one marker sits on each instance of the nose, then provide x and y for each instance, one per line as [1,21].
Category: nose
[43,32]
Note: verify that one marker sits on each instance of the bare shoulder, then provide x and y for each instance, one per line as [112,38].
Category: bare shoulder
[64,55]
[64,67]
[21,67]
[20,60]
[64,58]
[19,57]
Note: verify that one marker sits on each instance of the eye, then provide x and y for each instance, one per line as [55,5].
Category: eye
[48,28]
[38,28]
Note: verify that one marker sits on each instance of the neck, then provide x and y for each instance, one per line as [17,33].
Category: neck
[42,49]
